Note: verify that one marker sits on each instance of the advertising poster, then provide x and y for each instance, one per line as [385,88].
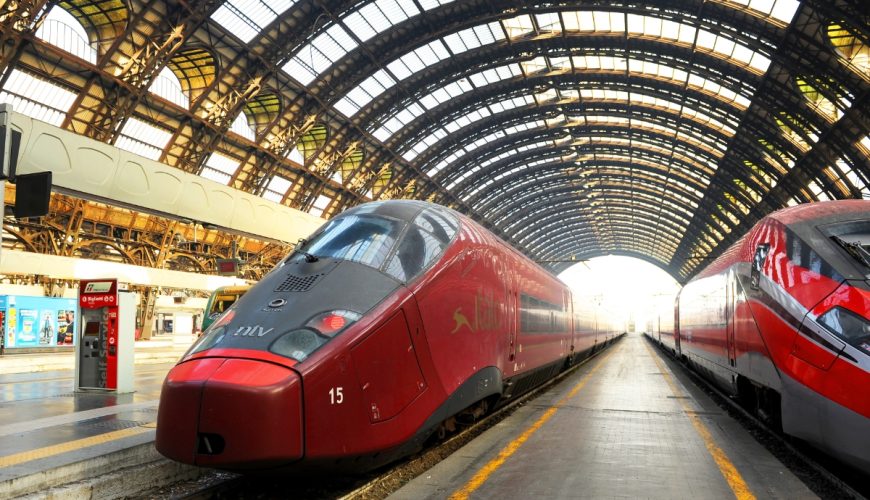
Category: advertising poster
[47,327]
[26,336]
[65,326]
[38,321]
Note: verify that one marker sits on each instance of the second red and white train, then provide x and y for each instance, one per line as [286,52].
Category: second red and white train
[781,320]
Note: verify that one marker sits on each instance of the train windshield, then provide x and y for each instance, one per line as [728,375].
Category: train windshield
[854,238]
[358,238]
[398,247]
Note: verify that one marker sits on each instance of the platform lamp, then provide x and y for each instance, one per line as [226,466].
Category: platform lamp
[33,190]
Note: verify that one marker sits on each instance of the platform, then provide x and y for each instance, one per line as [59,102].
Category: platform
[625,425]
[50,435]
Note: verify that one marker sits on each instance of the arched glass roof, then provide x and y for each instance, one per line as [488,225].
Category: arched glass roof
[658,128]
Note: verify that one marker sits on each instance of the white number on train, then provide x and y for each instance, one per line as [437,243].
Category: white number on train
[336,395]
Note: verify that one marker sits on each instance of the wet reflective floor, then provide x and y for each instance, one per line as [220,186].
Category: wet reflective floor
[45,423]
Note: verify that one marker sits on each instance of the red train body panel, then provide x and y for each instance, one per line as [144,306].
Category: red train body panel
[782,319]
[395,318]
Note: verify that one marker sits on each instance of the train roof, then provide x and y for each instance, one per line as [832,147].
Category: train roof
[400,209]
[821,212]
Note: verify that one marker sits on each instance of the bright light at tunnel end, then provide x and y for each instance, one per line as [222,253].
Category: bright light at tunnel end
[632,290]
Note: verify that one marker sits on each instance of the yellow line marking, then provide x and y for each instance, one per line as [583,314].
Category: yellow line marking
[487,470]
[49,451]
[729,472]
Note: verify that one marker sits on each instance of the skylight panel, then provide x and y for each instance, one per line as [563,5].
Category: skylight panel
[219,168]
[518,26]
[63,30]
[246,18]
[318,55]
[418,59]
[37,98]
[445,93]
[493,75]
[534,65]
[363,93]
[608,21]
[473,38]
[784,10]
[432,4]
[241,127]
[167,86]
[277,189]
[399,121]
[560,63]
[143,138]
[549,22]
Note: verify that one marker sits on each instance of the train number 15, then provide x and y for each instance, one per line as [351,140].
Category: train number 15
[336,395]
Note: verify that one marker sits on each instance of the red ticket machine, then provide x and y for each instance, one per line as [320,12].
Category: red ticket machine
[105,348]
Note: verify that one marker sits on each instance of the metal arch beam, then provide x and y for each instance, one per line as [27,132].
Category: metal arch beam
[544,246]
[608,137]
[436,117]
[494,200]
[620,232]
[391,48]
[610,207]
[517,187]
[600,151]
[549,206]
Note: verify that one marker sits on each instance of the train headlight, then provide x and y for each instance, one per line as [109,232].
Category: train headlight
[301,342]
[332,322]
[849,326]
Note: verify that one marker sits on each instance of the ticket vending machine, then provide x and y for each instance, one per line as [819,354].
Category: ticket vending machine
[104,352]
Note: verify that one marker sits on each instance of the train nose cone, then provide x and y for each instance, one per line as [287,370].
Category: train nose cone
[231,413]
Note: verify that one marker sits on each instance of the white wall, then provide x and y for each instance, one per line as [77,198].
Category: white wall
[182,324]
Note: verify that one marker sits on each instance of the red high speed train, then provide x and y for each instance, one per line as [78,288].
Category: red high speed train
[782,321]
[392,322]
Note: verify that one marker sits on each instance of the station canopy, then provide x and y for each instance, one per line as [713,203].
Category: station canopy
[659,129]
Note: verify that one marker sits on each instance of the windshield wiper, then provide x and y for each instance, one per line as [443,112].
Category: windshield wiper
[855,249]
[309,257]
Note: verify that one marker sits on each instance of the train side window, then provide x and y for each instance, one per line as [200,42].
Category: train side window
[417,250]
[761,252]
[437,224]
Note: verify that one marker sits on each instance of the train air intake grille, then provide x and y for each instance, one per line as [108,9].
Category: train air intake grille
[294,283]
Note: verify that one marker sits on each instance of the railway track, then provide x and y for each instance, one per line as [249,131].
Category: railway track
[379,484]
[809,465]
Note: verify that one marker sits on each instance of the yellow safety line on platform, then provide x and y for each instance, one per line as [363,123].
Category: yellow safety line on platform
[487,470]
[728,470]
[49,451]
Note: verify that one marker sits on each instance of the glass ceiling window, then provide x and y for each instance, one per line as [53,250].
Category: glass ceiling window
[320,205]
[415,61]
[461,152]
[314,58]
[410,63]
[64,31]
[241,127]
[363,93]
[167,86]
[143,139]
[247,18]
[277,189]
[781,11]
[370,20]
[442,95]
[582,21]
[219,168]
[465,120]
[37,98]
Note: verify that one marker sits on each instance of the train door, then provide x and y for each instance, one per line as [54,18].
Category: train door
[730,302]
[677,333]
[513,323]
